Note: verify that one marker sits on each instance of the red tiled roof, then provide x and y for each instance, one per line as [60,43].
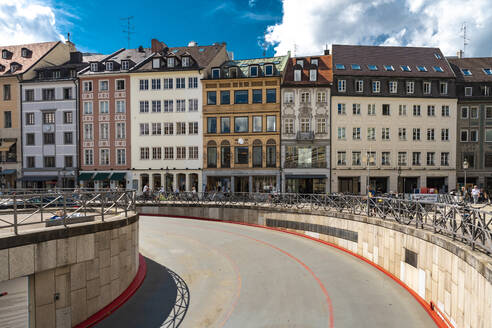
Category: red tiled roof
[37,51]
[325,71]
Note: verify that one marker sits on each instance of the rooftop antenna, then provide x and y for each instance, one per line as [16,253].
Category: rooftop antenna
[129,28]
[465,39]
[295,50]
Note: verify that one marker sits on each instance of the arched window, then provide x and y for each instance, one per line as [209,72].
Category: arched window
[271,153]
[257,154]
[225,154]
[211,154]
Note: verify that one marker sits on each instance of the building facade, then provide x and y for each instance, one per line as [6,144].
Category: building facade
[18,63]
[305,140]
[474,144]
[241,117]
[104,110]
[393,120]
[166,115]
[49,125]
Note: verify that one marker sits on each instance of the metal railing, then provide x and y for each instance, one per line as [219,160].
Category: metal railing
[461,222]
[20,208]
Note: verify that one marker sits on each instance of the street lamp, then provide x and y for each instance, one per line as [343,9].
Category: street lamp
[465,167]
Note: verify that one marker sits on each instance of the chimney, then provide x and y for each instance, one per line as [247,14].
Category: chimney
[327,51]
[140,49]
[70,44]
[459,54]
[76,57]
[156,45]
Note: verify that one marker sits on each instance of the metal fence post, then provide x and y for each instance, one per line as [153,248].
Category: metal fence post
[103,196]
[15,215]
[64,209]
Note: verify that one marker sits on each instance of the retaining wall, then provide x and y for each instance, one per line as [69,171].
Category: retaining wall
[446,272]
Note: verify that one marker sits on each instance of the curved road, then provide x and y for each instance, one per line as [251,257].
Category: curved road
[240,276]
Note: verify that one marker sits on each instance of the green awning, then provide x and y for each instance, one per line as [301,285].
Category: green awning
[118,176]
[101,176]
[85,176]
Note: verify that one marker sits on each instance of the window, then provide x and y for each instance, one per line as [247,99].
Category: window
[402,110]
[48,117]
[104,131]
[268,70]
[144,84]
[156,153]
[241,96]
[371,134]
[359,86]
[341,133]
[271,155]
[416,110]
[104,107]
[464,112]
[31,162]
[87,86]
[212,125]
[386,110]
[88,156]
[410,87]
[215,73]
[385,158]
[49,161]
[416,134]
[341,109]
[120,156]
[342,85]
[445,111]
[389,68]
[305,124]
[103,85]
[339,66]
[67,93]
[431,159]
[405,68]
[321,125]
[430,134]
[68,138]
[427,88]
[485,90]
[473,135]
[180,83]
[180,128]
[488,135]
[211,98]
[144,153]
[192,82]
[168,152]
[29,118]
[313,75]
[487,71]
[225,97]
[474,112]
[156,129]
[385,133]
[144,106]
[289,126]
[271,95]
[393,86]
[421,68]
[120,106]
[431,110]
[180,152]
[297,75]
[30,139]
[253,71]
[7,117]
[416,158]
[241,155]
[371,109]
[356,158]
[144,129]
[170,62]
[468,91]
[156,84]
[288,97]
[168,105]
[464,136]
[168,84]
[240,124]
[87,107]
[193,105]
[120,130]
[180,105]
[305,97]
[192,127]
[356,109]
[29,95]
[185,61]
[48,94]
[125,65]
[376,86]
[233,72]
[402,134]
[488,113]
[372,67]
[156,62]
[257,156]
[258,96]
[321,97]
[444,159]
[168,128]
[225,124]
[193,152]
[443,87]
[271,123]
[402,158]
[341,158]
[211,156]
[444,134]
[48,138]
[94,67]
[88,131]
[438,69]
[466,71]
[356,133]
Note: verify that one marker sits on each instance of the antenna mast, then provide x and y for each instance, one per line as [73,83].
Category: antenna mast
[465,39]
[129,28]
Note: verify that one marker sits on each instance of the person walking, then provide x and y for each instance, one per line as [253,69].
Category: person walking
[145,191]
[475,193]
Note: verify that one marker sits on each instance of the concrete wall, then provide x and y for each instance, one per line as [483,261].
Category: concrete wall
[75,275]
[450,274]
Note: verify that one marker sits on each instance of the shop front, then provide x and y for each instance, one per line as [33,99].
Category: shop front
[237,181]
[8,178]
[305,184]
[349,185]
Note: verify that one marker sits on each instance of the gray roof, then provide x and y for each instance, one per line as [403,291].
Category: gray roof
[475,65]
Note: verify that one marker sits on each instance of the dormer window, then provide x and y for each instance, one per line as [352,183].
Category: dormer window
[314,61]
[170,62]
[438,69]
[5,54]
[405,68]
[185,61]
[300,62]
[313,75]
[94,67]
[487,71]
[56,74]
[14,67]
[466,72]
[125,64]
[253,71]
[156,63]
[109,66]
[268,70]
[215,73]
[233,72]
[421,68]
[297,75]
[73,73]
[355,67]
[389,68]
[339,66]
[25,52]
[372,67]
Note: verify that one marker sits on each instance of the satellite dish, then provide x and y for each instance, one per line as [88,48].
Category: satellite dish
[240,141]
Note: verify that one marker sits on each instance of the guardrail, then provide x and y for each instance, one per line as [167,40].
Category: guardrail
[462,222]
[62,207]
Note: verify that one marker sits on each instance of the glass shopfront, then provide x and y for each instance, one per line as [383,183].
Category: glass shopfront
[266,183]
[305,184]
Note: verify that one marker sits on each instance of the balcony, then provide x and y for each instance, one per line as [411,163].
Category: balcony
[303,136]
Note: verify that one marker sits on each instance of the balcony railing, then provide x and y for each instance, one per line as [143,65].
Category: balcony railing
[305,135]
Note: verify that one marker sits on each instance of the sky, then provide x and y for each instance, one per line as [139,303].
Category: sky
[252,28]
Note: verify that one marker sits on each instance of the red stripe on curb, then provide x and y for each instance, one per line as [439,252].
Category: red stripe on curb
[427,307]
[120,300]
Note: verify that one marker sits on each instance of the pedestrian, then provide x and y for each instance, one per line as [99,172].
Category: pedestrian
[475,193]
[145,191]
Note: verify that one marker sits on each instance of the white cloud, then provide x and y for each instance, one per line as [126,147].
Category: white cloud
[251,3]
[308,26]
[27,21]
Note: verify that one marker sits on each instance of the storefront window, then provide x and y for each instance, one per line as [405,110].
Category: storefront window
[241,155]
[266,183]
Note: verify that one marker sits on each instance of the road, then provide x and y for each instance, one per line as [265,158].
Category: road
[241,276]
